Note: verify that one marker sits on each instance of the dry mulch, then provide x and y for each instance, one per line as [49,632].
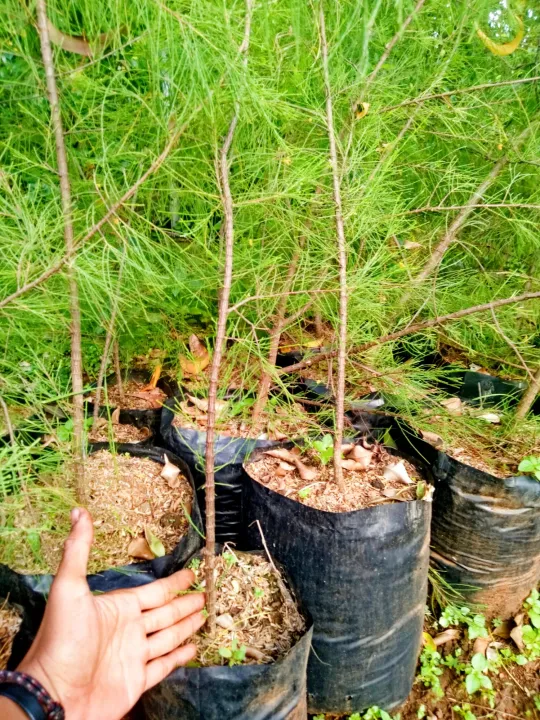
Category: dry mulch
[135,396]
[118,433]
[476,458]
[254,608]
[364,488]
[10,621]
[284,422]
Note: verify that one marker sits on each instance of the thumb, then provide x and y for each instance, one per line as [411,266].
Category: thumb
[77,547]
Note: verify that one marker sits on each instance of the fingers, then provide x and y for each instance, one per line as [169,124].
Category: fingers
[163,591]
[165,641]
[172,612]
[77,547]
[158,669]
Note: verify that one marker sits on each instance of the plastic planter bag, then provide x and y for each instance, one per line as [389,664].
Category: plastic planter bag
[230,454]
[485,532]
[362,576]
[274,691]
[29,592]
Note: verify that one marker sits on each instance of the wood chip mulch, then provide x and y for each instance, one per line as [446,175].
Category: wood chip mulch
[255,611]
[118,433]
[135,396]
[364,488]
[10,621]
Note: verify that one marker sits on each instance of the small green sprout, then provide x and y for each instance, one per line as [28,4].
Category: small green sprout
[530,464]
[304,493]
[325,448]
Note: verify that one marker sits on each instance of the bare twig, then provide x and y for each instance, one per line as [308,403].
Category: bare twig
[452,232]
[275,334]
[7,419]
[105,219]
[227,202]
[529,397]
[389,47]
[67,211]
[118,372]
[460,91]
[417,327]
[342,259]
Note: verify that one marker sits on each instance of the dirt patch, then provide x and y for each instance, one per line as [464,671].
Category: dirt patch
[484,461]
[135,396]
[364,487]
[118,433]
[257,617]
[279,423]
[10,621]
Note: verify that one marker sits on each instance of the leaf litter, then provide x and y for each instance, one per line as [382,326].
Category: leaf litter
[257,618]
[382,480]
[137,396]
[10,621]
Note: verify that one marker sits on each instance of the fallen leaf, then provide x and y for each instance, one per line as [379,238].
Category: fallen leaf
[517,636]
[428,495]
[432,438]
[280,472]
[286,466]
[225,621]
[350,464]
[446,636]
[306,473]
[503,49]
[346,448]
[139,548]
[427,641]
[362,456]
[170,473]
[154,379]
[202,404]
[75,43]
[519,618]
[282,454]
[411,244]
[503,630]
[156,546]
[492,418]
[200,357]
[480,646]
[115,416]
[398,471]
[492,652]
[255,654]
[453,405]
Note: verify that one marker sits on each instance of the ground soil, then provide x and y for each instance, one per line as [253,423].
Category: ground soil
[10,621]
[286,420]
[118,433]
[254,609]
[364,488]
[135,396]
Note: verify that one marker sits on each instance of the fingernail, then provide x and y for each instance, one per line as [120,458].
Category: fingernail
[75,515]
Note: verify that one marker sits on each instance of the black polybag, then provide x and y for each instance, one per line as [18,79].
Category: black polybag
[485,531]
[29,592]
[275,691]
[362,576]
[230,454]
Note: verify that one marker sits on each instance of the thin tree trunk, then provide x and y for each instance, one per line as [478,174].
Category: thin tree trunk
[527,401]
[67,210]
[108,342]
[223,309]
[7,419]
[417,327]
[450,235]
[118,372]
[275,334]
[342,258]
[319,329]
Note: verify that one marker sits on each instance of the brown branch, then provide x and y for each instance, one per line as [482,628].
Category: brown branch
[275,335]
[460,91]
[444,208]
[529,397]
[417,327]
[105,219]
[342,259]
[67,211]
[222,172]
[118,372]
[389,47]
[452,232]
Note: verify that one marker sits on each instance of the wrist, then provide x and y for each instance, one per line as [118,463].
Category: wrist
[9,710]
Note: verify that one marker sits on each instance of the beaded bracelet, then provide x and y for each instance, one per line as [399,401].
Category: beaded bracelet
[30,695]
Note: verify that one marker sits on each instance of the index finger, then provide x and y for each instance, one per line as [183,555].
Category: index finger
[161,592]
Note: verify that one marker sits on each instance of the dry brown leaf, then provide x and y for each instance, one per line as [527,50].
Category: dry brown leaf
[225,621]
[115,416]
[202,404]
[411,245]
[503,630]
[170,473]
[350,464]
[306,472]
[77,44]
[200,357]
[154,379]
[286,466]
[282,454]
[347,448]
[153,397]
[362,456]
[492,418]
[453,405]
[432,438]
[517,636]
[481,645]
[139,548]
[255,654]
[446,636]
[398,471]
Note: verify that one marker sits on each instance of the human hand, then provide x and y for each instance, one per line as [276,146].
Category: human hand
[97,654]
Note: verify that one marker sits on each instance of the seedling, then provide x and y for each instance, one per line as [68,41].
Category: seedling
[476,624]
[464,711]
[431,670]
[258,592]
[235,655]
[230,559]
[325,448]
[304,493]
[530,464]
[477,678]
[194,564]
